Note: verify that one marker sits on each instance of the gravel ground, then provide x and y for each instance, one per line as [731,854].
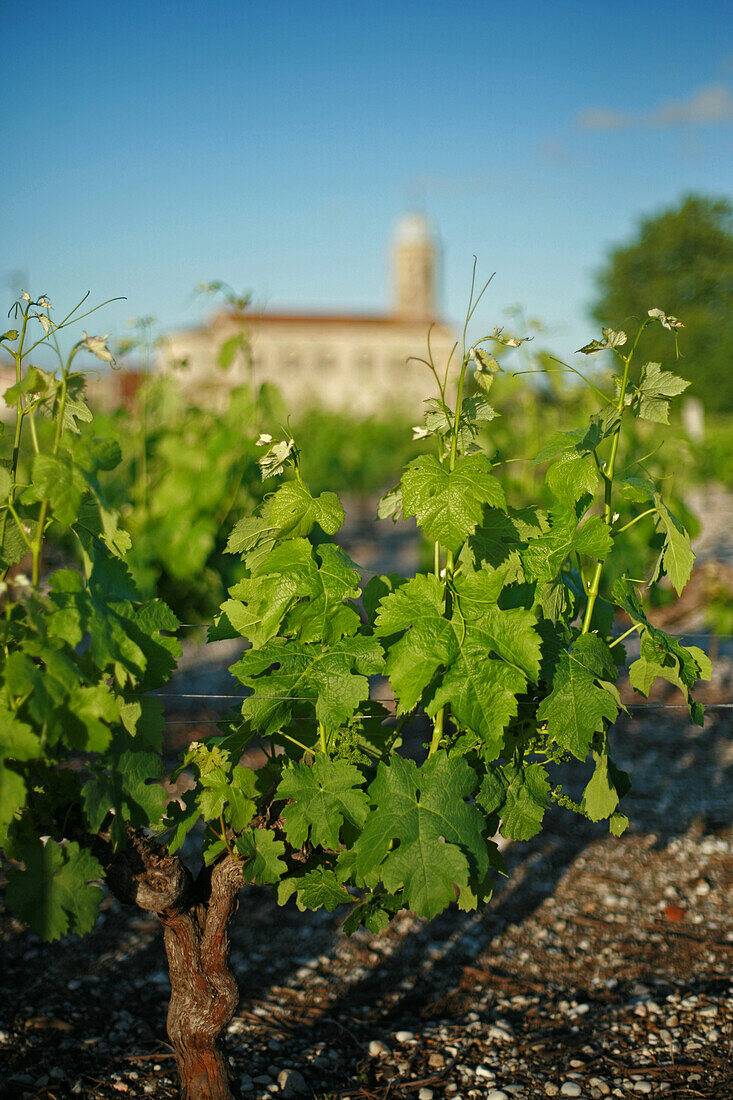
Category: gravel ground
[601,967]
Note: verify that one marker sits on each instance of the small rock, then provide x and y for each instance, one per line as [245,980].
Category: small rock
[498,1094]
[292,1082]
[598,1083]
[551,1089]
[484,1071]
[404,1036]
[425,1094]
[377,1048]
[263,1079]
[41,1082]
[570,1088]
[500,1034]
[642,1086]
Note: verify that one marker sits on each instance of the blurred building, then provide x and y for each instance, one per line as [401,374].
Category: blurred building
[347,361]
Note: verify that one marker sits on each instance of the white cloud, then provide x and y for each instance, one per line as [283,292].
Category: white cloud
[707,106]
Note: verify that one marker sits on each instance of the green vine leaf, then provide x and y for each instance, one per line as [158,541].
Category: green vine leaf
[571,478]
[58,479]
[439,835]
[284,673]
[448,505]
[656,387]
[578,706]
[261,853]
[600,798]
[53,895]
[323,796]
[544,556]
[417,608]
[320,889]
[526,801]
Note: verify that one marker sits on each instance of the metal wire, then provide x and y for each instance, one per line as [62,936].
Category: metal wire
[389,699]
[632,707]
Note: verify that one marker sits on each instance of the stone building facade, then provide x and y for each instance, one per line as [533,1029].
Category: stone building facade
[350,362]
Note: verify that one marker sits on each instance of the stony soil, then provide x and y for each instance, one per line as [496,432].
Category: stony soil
[601,967]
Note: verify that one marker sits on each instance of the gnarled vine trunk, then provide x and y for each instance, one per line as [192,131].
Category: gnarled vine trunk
[195,915]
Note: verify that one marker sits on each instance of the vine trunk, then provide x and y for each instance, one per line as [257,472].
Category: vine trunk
[195,915]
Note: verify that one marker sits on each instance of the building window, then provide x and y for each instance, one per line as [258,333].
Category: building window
[325,360]
[364,364]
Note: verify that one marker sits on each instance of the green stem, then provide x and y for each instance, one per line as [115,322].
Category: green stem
[631,630]
[224,837]
[34,436]
[636,519]
[322,737]
[608,489]
[20,412]
[437,731]
[37,551]
[295,741]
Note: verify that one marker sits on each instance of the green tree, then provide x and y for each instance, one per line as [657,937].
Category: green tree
[682,260]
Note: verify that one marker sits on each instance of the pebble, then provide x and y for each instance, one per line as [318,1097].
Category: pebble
[404,1036]
[292,1083]
[498,1094]
[598,1083]
[425,1094]
[570,1088]
[642,1086]
[376,1047]
[500,1034]
[550,1089]
[484,1071]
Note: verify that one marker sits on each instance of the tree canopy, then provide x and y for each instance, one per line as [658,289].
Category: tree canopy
[682,259]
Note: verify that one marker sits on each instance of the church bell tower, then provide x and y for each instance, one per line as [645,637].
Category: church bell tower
[415,269]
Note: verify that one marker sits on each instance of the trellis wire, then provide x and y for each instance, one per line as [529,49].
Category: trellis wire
[390,699]
[683,634]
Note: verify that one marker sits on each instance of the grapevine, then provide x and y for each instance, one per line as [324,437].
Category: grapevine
[507,645]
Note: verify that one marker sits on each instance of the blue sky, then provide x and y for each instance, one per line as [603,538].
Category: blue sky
[150,146]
